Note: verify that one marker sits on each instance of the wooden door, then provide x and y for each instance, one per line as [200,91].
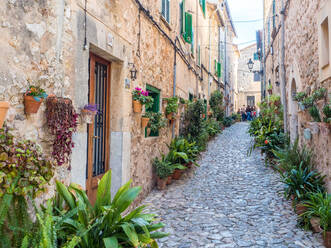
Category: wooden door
[99,131]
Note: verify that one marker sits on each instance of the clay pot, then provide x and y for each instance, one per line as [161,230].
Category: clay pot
[169,180]
[203,116]
[316,224]
[137,106]
[87,116]
[300,209]
[161,183]
[327,239]
[210,113]
[270,92]
[177,174]
[189,165]
[31,105]
[148,131]
[144,122]
[170,116]
[4,106]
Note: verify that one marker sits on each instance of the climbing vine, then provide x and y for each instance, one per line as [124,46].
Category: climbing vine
[62,123]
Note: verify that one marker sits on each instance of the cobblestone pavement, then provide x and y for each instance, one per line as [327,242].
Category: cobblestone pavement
[230,201]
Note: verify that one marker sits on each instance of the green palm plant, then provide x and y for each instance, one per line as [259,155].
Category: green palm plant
[105,224]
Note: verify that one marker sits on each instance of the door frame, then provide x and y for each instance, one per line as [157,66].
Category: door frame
[92,182]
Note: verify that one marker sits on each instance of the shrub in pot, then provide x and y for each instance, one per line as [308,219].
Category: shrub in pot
[4,106]
[33,98]
[172,108]
[156,121]
[140,98]
[145,119]
[327,114]
[163,169]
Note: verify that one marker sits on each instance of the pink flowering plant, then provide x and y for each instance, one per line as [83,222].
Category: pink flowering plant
[143,97]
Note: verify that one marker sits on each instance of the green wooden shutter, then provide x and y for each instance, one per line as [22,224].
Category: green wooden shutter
[219,69]
[188,28]
[215,65]
[168,10]
[182,15]
[204,6]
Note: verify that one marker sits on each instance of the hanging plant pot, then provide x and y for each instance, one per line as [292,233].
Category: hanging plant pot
[4,106]
[137,106]
[277,103]
[32,104]
[88,116]
[316,224]
[161,183]
[170,116]
[210,113]
[270,92]
[203,116]
[144,122]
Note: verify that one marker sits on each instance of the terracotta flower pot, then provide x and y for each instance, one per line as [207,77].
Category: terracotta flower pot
[169,180]
[170,116]
[177,174]
[161,183]
[327,239]
[316,224]
[137,106]
[4,106]
[300,208]
[144,122]
[270,92]
[31,105]
[148,131]
[204,116]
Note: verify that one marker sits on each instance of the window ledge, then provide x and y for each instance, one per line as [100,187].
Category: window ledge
[166,23]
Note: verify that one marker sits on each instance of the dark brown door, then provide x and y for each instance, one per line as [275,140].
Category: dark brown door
[98,132]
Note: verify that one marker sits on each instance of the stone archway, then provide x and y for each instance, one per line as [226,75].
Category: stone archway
[293,112]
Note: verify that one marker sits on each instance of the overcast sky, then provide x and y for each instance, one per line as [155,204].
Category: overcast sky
[246,10]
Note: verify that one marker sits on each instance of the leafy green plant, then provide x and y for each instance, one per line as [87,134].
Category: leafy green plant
[216,104]
[227,121]
[300,96]
[172,105]
[163,167]
[183,146]
[143,97]
[301,181]
[213,127]
[156,121]
[108,223]
[308,102]
[270,87]
[319,94]
[314,113]
[327,113]
[182,100]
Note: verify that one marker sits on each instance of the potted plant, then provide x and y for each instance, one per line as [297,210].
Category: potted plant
[141,98]
[300,96]
[172,107]
[319,94]
[163,169]
[156,122]
[270,89]
[145,119]
[4,106]
[327,116]
[33,98]
[88,113]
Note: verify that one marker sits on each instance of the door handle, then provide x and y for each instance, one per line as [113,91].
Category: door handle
[95,137]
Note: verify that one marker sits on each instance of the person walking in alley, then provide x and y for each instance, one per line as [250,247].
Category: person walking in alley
[249,113]
[243,113]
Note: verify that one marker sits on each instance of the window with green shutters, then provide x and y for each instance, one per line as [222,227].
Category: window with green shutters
[188,34]
[203,6]
[155,93]
[165,10]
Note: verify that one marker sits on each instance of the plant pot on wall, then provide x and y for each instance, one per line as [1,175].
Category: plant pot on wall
[4,106]
[144,122]
[177,174]
[31,104]
[270,92]
[137,106]
[87,116]
[170,116]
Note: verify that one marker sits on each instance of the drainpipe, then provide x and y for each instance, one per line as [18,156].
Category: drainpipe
[225,66]
[174,80]
[283,75]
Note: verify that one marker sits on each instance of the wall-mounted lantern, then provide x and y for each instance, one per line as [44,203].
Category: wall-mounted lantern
[250,65]
[133,71]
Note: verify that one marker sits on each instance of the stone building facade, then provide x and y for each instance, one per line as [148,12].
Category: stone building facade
[54,44]
[307,67]
[249,90]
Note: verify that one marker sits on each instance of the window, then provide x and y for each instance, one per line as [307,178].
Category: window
[155,93]
[203,6]
[181,17]
[166,10]
[325,55]
[268,32]
[274,13]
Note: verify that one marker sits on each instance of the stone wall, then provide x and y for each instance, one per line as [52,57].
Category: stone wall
[302,74]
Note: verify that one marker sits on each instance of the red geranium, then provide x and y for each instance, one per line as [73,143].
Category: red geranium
[266,142]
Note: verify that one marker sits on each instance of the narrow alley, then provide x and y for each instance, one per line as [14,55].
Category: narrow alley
[231,200]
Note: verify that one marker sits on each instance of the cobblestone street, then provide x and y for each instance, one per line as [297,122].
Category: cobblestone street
[230,201]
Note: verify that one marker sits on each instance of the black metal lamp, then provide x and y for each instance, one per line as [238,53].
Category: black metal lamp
[250,65]
[133,71]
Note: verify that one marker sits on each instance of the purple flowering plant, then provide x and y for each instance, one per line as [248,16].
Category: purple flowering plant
[91,107]
[143,97]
